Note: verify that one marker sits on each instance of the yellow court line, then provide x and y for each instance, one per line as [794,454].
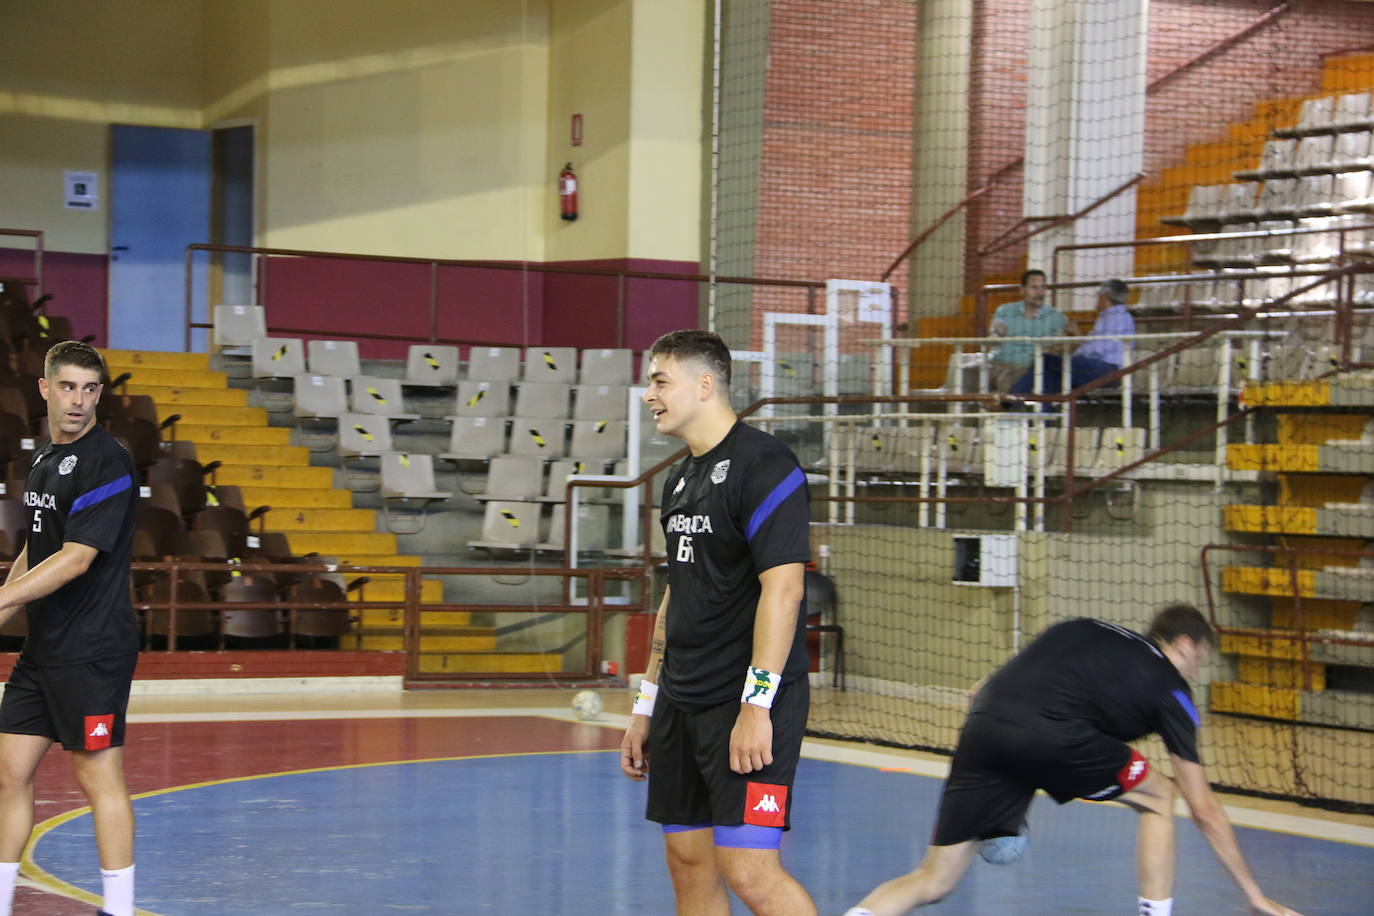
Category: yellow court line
[45,880]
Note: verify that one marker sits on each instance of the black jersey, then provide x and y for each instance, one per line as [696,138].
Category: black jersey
[728,515]
[83,491]
[1084,677]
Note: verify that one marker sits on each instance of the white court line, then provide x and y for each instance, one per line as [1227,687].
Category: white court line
[854,755]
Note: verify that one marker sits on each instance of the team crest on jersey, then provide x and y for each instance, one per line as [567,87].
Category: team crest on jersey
[681,482]
[67,464]
[719,471]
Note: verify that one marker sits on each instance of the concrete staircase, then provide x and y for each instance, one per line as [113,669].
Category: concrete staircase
[315,515]
[1324,464]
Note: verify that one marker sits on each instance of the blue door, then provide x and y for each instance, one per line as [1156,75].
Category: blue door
[159,204]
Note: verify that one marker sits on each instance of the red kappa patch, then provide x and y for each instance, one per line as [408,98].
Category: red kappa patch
[1134,772]
[765,805]
[98,732]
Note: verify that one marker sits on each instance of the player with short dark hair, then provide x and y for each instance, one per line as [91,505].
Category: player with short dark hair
[71,682]
[1057,717]
[724,702]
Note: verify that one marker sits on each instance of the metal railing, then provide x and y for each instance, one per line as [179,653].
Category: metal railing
[261,292]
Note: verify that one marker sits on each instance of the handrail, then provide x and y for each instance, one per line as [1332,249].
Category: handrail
[1000,242]
[930,230]
[435,263]
[1269,16]
[1011,165]
[37,236]
[413,608]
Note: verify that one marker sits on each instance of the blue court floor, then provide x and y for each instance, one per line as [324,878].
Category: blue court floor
[563,833]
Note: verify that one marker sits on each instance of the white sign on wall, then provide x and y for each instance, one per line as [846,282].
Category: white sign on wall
[80,190]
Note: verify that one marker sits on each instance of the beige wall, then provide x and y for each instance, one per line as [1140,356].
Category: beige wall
[418,127]
[71,69]
[632,69]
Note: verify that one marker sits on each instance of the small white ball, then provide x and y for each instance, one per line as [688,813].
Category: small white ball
[586,704]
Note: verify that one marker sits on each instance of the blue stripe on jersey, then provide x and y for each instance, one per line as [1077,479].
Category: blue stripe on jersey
[1188,707]
[105,491]
[789,485]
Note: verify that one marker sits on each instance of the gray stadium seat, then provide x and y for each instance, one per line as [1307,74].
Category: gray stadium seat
[278,357]
[334,357]
[551,364]
[407,485]
[320,397]
[237,326]
[494,364]
[380,396]
[543,438]
[606,367]
[593,529]
[556,487]
[508,526]
[431,365]
[482,399]
[363,435]
[600,402]
[476,439]
[604,439]
[542,399]
[514,477]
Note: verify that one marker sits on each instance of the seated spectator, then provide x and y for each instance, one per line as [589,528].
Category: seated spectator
[1095,358]
[1030,317]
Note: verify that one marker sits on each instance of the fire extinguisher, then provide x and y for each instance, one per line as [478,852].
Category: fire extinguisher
[567,193]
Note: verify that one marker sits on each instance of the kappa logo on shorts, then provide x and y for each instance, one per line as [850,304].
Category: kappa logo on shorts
[98,730]
[719,471]
[66,466]
[765,805]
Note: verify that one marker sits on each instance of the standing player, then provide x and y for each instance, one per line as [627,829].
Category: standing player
[71,683]
[724,703]
[1056,717]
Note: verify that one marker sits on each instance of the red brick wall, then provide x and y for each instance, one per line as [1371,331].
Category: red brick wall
[835,180]
[835,177]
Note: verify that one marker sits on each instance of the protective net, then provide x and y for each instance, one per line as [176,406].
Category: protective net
[1211,155]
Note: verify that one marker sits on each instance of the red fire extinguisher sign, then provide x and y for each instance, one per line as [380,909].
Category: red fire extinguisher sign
[567,193]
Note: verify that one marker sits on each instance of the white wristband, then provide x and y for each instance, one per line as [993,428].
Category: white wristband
[644,699]
[760,687]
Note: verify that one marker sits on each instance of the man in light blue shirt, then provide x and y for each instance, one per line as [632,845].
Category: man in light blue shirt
[1031,317]
[1095,358]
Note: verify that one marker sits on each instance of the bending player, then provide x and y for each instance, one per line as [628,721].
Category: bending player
[71,683]
[1056,717]
[736,516]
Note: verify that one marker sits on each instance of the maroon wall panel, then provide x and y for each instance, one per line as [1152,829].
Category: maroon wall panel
[79,284]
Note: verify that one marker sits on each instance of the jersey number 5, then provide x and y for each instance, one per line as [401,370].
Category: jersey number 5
[684,550]
[37,520]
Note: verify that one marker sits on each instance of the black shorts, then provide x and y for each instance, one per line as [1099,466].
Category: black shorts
[80,706]
[690,780]
[998,765]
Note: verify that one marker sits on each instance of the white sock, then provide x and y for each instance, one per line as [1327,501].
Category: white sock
[1156,907]
[118,886]
[8,872]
